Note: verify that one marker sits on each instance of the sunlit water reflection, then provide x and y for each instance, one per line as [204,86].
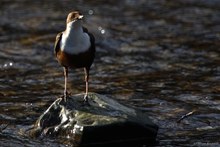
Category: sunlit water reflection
[159,56]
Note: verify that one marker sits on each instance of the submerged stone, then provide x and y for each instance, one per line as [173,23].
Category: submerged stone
[103,122]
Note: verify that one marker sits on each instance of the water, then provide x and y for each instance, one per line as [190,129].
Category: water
[159,56]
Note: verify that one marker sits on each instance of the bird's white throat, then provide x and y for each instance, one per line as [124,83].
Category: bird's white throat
[74,40]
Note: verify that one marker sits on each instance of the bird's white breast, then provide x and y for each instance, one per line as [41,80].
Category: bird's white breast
[75,42]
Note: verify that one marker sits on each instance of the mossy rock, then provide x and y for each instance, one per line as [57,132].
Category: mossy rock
[103,122]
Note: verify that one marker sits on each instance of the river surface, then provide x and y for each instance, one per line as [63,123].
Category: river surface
[160,56]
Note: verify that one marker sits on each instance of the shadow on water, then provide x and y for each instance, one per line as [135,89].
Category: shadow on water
[159,56]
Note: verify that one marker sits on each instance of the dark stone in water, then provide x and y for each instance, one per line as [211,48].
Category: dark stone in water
[102,123]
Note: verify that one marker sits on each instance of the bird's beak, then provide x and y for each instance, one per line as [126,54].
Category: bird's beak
[80,16]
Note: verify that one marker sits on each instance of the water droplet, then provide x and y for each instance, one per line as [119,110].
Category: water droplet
[8,64]
[91,12]
[99,28]
[102,31]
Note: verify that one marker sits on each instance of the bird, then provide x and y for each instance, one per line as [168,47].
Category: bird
[75,48]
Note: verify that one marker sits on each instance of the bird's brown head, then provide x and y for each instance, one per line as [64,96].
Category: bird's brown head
[74,16]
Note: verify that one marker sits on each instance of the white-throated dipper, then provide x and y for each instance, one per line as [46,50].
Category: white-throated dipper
[75,48]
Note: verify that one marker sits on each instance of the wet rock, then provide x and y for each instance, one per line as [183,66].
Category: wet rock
[103,122]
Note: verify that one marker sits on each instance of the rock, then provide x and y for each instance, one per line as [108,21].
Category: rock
[103,122]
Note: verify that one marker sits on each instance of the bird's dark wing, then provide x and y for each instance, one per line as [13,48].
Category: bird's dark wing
[57,42]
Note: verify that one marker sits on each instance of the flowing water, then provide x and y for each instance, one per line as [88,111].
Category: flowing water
[160,56]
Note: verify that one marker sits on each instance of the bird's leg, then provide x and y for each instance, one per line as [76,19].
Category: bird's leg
[86,69]
[65,86]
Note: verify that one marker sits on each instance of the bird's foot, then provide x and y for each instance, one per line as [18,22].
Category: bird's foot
[66,95]
[86,100]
